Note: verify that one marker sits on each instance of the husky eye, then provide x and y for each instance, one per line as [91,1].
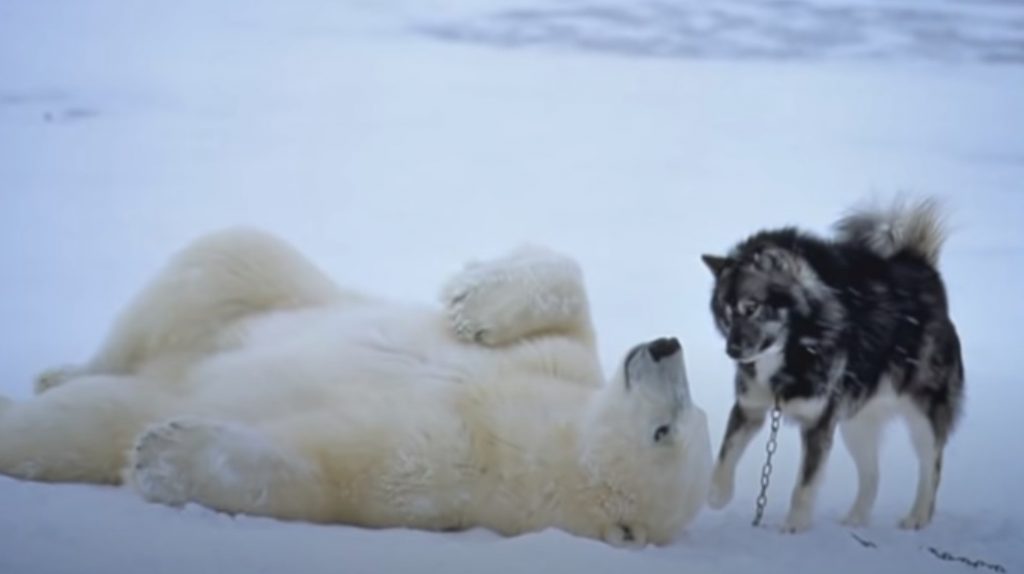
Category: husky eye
[748,307]
[661,432]
[727,313]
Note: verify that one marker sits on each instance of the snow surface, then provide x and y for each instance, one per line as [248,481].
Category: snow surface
[391,140]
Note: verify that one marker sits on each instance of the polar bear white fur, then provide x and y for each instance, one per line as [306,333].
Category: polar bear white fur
[245,380]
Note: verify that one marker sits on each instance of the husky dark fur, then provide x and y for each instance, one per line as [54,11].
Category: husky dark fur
[843,332]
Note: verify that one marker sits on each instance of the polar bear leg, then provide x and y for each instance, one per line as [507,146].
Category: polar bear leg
[77,433]
[532,291]
[57,376]
[191,305]
[226,467]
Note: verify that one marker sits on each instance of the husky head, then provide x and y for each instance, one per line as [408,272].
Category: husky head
[646,449]
[758,291]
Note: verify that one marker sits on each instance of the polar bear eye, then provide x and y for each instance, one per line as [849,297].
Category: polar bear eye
[661,432]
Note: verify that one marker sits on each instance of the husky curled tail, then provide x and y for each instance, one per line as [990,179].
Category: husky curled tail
[918,228]
[845,332]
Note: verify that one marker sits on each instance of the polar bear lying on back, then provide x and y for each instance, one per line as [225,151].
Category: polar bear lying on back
[244,380]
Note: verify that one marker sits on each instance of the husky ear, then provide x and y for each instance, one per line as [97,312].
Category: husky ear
[774,259]
[716,264]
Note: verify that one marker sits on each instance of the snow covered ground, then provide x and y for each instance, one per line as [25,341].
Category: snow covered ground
[392,139]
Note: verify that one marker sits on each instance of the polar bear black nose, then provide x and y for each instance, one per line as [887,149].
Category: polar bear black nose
[665,347]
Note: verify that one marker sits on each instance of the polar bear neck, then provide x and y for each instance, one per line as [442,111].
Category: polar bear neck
[524,451]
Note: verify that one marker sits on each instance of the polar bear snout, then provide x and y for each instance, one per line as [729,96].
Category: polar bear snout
[657,362]
[664,347]
[658,368]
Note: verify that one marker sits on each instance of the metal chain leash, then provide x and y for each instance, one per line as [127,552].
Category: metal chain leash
[762,502]
[766,470]
[976,564]
[944,555]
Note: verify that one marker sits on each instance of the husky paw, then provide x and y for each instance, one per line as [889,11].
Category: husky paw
[721,490]
[855,519]
[55,377]
[915,521]
[165,457]
[796,523]
[720,494]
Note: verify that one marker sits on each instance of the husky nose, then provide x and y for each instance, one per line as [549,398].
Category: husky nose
[665,347]
[733,350]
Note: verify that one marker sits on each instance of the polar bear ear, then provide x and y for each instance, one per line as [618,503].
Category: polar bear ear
[715,263]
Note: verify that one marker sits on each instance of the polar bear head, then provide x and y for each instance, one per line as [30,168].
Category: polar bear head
[645,449]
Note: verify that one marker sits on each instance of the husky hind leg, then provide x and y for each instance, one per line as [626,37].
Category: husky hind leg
[190,305]
[928,444]
[862,436]
[931,408]
[532,291]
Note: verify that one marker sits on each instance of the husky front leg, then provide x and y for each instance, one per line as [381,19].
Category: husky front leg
[744,424]
[532,291]
[817,444]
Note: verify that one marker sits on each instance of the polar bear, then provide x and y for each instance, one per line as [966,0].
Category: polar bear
[243,379]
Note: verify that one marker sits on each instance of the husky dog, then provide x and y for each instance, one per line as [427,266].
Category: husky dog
[848,331]
[245,380]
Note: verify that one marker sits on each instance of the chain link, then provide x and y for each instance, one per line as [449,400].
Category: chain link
[945,556]
[766,470]
[762,502]
[976,564]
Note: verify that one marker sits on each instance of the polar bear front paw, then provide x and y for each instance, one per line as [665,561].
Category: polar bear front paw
[497,302]
[165,458]
[468,319]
